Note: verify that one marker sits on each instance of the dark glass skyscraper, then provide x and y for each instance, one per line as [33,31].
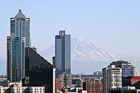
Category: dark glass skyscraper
[63,58]
[63,53]
[38,71]
[17,41]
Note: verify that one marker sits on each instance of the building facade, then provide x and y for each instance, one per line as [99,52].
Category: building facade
[58,84]
[132,81]
[77,82]
[94,86]
[127,68]
[63,57]
[66,80]
[16,87]
[38,71]
[17,41]
[112,78]
[63,53]
[126,89]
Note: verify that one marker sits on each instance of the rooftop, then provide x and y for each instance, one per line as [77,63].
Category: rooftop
[20,14]
[133,77]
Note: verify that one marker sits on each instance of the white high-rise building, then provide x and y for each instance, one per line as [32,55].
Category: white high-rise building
[112,78]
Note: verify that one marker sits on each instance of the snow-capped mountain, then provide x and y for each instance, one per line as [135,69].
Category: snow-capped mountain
[86,57]
[82,50]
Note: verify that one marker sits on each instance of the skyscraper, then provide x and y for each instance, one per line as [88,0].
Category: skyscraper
[63,58]
[17,41]
[38,71]
[63,53]
[112,78]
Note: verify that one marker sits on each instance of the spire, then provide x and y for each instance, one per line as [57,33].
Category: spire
[20,14]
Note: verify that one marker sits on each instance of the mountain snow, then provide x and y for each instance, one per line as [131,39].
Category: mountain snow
[82,50]
[86,57]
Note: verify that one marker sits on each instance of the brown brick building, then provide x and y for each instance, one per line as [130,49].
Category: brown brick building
[94,86]
[58,84]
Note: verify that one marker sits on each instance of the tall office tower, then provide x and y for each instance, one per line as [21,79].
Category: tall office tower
[63,53]
[127,68]
[17,41]
[112,78]
[63,56]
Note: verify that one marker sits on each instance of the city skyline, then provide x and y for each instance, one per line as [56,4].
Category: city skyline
[110,25]
[122,17]
[70,46]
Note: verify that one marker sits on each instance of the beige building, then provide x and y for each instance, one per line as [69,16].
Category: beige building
[112,78]
[16,87]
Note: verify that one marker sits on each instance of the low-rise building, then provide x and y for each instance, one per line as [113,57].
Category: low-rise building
[66,80]
[16,87]
[3,82]
[126,89]
[132,81]
[77,82]
[94,86]
[58,84]
[75,90]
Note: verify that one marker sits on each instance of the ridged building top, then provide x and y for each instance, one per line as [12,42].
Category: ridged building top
[20,14]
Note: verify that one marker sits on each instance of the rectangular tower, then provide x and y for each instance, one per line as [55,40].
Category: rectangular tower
[63,58]
[17,41]
[63,53]
[112,78]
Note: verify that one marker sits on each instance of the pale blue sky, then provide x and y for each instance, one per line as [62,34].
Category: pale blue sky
[113,25]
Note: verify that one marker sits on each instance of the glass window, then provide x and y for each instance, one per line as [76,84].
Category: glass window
[23,22]
[23,31]
[13,22]
[27,29]
[13,29]
[13,34]
[16,31]
[27,23]
[16,22]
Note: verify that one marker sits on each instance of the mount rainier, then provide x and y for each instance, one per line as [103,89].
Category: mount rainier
[85,56]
